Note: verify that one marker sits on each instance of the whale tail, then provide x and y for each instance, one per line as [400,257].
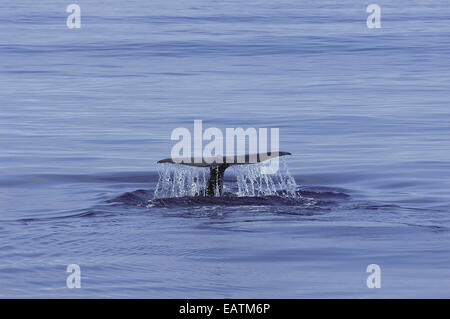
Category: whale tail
[217,166]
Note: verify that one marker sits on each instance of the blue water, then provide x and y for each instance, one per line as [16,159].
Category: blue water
[86,113]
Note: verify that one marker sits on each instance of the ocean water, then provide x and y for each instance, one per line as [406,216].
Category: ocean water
[86,113]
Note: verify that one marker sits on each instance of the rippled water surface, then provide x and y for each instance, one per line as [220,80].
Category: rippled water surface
[86,113]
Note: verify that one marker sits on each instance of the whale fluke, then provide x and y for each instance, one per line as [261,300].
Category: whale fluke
[217,165]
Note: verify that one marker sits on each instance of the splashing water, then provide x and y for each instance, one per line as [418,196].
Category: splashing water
[187,181]
[251,182]
[180,181]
